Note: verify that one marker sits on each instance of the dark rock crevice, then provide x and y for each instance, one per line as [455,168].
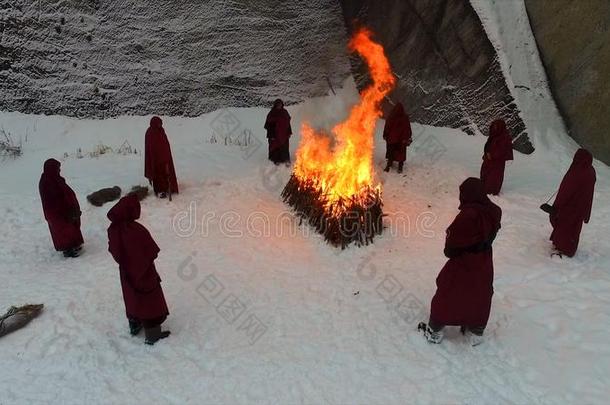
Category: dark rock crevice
[448,70]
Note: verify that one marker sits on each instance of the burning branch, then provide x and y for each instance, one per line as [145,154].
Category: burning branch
[332,183]
[356,219]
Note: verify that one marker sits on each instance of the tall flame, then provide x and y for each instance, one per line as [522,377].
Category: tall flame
[341,170]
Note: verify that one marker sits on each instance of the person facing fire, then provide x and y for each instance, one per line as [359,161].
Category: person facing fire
[132,247]
[279,131]
[498,150]
[465,284]
[158,161]
[61,210]
[573,204]
[397,135]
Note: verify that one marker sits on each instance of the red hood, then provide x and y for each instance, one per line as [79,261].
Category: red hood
[498,128]
[582,158]
[126,210]
[156,122]
[52,167]
[473,191]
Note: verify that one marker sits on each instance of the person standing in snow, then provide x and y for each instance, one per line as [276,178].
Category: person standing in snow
[279,131]
[498,149]
[573,204]
[158,161]
[397,134]
[61,210]
[465,284]
[132,247]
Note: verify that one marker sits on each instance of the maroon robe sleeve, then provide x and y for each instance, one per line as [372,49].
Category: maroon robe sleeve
[387,128]
[148,156]
[567,188]
[51,200]
[588,193]
[408,133]
[464,231]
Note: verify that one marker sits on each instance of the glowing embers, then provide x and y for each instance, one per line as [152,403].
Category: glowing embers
[357,218]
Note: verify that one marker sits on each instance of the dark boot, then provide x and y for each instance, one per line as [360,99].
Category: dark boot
[400,165]
[134,327]
[474,334]
[71,253]
[388,166]
[154,334]
[431,335]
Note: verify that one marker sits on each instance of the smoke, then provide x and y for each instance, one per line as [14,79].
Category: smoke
[323,113]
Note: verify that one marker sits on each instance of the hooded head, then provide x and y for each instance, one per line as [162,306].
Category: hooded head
[472,191]
[398,109]
[582,157]
[156,122]
[52,167]
[126,210]
[497,128]
[278,104]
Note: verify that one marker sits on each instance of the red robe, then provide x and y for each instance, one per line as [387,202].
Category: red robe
[573,204]
[135,251]
[498,149]
[465,284]
[279,131]
[158,162]
[397,134]
[60,207]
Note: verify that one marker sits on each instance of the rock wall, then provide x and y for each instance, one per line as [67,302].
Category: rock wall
[574,42]
[99,58]
[448,69]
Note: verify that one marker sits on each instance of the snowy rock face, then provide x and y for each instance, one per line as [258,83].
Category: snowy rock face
[573,39]
[105,58]
[448,69]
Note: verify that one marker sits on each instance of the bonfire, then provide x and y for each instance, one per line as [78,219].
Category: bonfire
[333,186]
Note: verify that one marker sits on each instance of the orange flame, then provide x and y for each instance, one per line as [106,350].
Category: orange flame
[344,169]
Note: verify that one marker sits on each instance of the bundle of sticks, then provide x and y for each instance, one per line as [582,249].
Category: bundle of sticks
[349,220]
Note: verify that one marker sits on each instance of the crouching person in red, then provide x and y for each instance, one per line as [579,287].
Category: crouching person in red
[465,284]
[498,150]
[61,210]
[158,161]
[135,251]
[573,204]
[397,134]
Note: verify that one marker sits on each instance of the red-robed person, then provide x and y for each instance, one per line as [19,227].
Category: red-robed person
[61,210]
[279,131]
[498,149]
[397,134]
[158,162]
[573,204]
[465,284]
[135,251]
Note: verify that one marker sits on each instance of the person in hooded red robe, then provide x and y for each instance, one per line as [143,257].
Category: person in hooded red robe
[158,161]
[498,150]
[135,251]
[398,135]
[279,131]
[465,284]
[573,204]
[61,210]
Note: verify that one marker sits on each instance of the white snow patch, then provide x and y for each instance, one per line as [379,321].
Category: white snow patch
[333,333]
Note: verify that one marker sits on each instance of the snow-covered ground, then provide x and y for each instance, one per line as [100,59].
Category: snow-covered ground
[262,311]
[314,324]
